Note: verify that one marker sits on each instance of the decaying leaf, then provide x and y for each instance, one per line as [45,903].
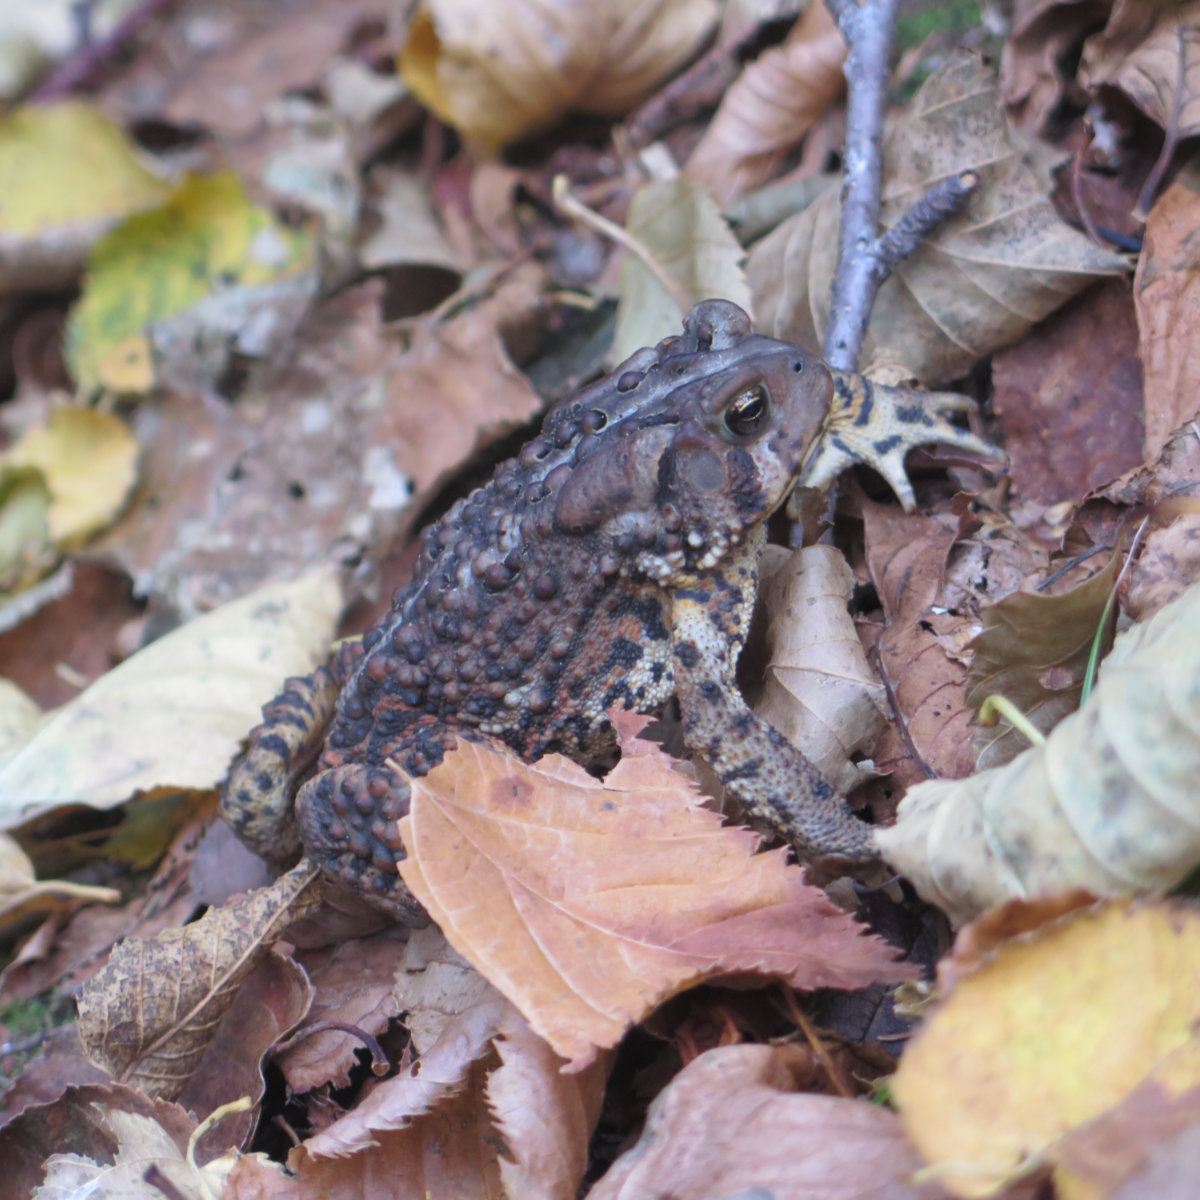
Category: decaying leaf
[1034,651]
[771,107]
[1070,403]
[207,244]
[734,1123]
[497,72]
[100,1140]
[1050,1033]
[153,1035]
[69,174]
[920,650]
[679,223]
[1109,803]
[588,903]
[1166,291]
[978,282]
[174,714]
[820,692]
[355,985]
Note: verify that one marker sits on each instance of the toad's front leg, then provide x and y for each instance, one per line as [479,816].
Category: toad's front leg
[776,784]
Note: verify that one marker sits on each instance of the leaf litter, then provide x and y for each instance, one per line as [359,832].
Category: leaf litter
[327,356]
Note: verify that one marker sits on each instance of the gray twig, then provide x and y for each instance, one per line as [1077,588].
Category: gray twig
[78,70]
[865,259]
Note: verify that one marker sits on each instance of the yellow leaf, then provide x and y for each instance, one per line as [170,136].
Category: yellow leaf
[68,165]
[207,238]
[89,462]
[1050,1034]
[174,714]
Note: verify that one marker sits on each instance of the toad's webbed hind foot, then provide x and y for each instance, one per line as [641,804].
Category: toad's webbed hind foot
[348,818]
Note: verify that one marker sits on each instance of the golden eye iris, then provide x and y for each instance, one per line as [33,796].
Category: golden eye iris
[748,410]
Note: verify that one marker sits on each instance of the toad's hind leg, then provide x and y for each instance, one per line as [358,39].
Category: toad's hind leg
[778,786]
[349,824]
[258,794]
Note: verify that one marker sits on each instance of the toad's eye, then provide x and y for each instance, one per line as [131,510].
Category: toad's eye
[748,410]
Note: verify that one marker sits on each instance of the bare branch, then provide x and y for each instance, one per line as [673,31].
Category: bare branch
[867,26]
[865,259]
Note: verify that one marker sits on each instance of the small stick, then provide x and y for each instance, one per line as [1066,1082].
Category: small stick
[865,259]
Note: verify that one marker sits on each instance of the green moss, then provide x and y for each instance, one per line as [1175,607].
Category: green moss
[954,18]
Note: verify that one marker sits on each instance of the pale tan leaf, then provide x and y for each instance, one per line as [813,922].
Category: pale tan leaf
[1166,291]
[175,713]
[23,896]
[588,903]
[153,1035]
[1142,57]
[99,1141]
[820,692]
[680,225]
[497,72]
[734,1122]
[981,279]
[771,107]
[1109,803]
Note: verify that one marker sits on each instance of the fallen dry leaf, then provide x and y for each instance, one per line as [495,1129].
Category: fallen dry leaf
[589,903]
[1034,651]
[820,692]
[207,250]
[732,1123]
[269,1003]
[433,985]
[228,77]
[1070,403]
[499,72]
[336,446]
[486,1112]
[991,1082]
[680,225]
[1141,52]
[906,559]
[99,1140]
[1166,290]
[1045,35]
[155,1036]
[770,107]
[1107,804]
[153,721]
[353,984]
[978,282]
